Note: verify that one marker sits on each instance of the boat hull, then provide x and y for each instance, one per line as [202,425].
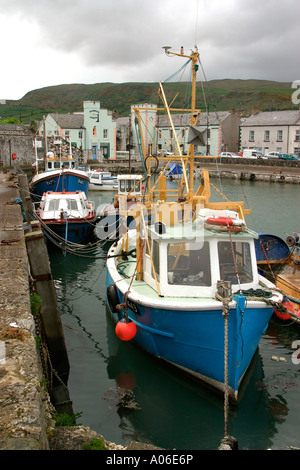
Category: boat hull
[271,249]
[109,186]
[193,338]
[75,232]
[59,181]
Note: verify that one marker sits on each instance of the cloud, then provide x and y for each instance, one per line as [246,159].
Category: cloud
[120,40]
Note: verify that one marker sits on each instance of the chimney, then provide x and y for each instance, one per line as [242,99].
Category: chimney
[255,110]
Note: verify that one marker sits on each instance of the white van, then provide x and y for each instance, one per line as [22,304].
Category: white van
[251,153]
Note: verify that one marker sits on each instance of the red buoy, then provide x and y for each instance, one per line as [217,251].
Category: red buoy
[125,330]
[285,315]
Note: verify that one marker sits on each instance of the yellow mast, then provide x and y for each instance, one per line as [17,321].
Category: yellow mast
[194,57]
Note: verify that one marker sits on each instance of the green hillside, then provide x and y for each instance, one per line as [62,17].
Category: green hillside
[220,95]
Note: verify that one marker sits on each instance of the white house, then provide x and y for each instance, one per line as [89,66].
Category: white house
[274,131]
[220,131]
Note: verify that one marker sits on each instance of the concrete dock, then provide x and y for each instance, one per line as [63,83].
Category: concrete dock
[24,405]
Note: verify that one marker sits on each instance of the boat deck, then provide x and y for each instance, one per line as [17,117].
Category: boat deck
[290,284]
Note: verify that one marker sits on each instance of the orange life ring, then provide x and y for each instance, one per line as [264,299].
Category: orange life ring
[220,221]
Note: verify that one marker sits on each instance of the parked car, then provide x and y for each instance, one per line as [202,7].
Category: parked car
[273,155]
[229,155]
[164,153]
[252,153]
[288,156]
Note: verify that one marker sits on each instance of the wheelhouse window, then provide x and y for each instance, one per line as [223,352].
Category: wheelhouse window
[53,205]
[235,262]
[189,264]
[72,205]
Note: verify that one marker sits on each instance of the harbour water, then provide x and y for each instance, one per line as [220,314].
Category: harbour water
[172,411]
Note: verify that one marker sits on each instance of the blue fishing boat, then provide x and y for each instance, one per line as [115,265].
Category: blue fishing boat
[183,284]
[60,174]
[271,249]
[66,216]
[174,171]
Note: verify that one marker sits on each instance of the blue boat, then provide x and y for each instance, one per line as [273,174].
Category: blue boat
[271,249]
[174,171]
[183,283]
[66,216]
[60,174]
[175,304]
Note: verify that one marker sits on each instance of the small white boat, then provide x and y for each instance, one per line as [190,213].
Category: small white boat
[102,181]
[69,215]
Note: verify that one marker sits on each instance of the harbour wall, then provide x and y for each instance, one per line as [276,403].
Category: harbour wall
[25,407]
[266,170]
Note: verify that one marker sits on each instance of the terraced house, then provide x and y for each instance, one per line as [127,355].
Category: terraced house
[274,131]
[93,131]
[214,132]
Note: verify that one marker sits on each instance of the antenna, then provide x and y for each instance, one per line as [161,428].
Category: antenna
[166,48]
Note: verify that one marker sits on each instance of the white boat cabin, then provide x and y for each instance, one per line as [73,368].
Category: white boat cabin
[60,205]
[56,163]
[130,185]
[187,260]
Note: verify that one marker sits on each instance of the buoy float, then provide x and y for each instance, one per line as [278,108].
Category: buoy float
[125,330]
[285,315]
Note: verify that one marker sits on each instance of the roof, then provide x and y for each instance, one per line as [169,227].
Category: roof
[69,121]
[180,120]
[273,118]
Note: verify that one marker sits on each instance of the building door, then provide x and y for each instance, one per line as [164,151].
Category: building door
[94,152]
[105,150]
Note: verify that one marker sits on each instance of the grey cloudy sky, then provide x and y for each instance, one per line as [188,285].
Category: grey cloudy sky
[50,42]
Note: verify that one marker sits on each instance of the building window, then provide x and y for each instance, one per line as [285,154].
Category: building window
[79,134]
[297,135]
[94,131]
[279,136]
[251,136]
[105,133]
[267,136]
[67,133]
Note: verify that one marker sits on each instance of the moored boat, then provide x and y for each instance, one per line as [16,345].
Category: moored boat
[278,259]
[288,280]
[131,189]
[60,174]
[66,216]
[183,283]
[102,181]
[168,289]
